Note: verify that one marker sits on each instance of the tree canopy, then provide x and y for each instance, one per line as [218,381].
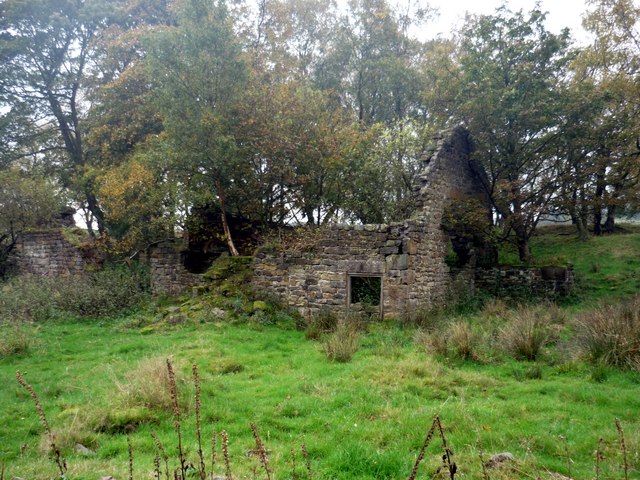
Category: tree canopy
[281,112]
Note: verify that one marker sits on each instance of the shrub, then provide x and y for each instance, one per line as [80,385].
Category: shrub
[610,334]
[526,332]
[103,293]
[343,342]
[30,299]
[148,386]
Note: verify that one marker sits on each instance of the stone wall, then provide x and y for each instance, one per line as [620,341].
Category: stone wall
[526,282]
[167,271]
[48,253]
[409,256]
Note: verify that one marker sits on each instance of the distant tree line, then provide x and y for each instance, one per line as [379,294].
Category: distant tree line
[141,112]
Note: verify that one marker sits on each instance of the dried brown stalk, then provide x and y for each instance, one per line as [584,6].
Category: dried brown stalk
[483,463]
[130,458]
[225,454]
[213,452]
[196,382]
[599,458]
[262,454]
[163,452]
[156,464]
[58,458]
[294,474]
[566,454]
[176,415]
[425,444]
[623,449]
[452,467]
[307,462]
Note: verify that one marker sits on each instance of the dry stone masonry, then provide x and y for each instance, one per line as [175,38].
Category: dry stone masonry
[408,257]
[48,253]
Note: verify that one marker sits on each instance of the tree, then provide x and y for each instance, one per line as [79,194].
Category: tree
[372,63]
[612,64]
[198,75]
[510,94]
[45,58]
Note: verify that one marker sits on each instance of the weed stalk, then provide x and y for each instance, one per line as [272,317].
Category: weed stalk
[176,415]
[566,454]
[425,444]
[130,458]
[213,451]
[58,458]
[307,462]
[294,474]
[163,452]
[599,458]
[262,454]
[623,449]
[225,454]
[196,382]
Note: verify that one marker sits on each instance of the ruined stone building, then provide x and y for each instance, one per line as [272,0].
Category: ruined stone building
[398,267]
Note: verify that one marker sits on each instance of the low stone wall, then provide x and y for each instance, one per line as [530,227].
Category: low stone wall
[47,253]
[408,257]
[167,271]
[526,282]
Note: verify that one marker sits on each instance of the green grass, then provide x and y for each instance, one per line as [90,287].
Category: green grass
[365,419]
[605,267]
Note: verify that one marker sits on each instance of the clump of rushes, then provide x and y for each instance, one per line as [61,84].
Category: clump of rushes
[262,454]
[176,415]
[160,449]
[58,458]
[225,454]
[196,382]
[305,454]
[623,449]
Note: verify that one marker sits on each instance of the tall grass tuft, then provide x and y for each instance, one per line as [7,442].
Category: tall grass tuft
[526,332]
[344,342]
[15,339]
[149,385]
[610,334]
[320,324]
[57,457]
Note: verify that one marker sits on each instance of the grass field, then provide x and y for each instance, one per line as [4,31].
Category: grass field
[363,419]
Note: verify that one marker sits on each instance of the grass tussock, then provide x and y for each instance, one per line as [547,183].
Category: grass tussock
[610,334]
[527,331]
[344,342]
[149,386]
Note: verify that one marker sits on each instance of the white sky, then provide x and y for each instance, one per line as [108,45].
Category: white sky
[562,13]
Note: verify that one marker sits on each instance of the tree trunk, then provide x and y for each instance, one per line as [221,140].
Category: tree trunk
[225,225]
[610,223]
[598,203]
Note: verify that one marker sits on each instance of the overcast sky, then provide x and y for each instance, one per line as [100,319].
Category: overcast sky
[562,13]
